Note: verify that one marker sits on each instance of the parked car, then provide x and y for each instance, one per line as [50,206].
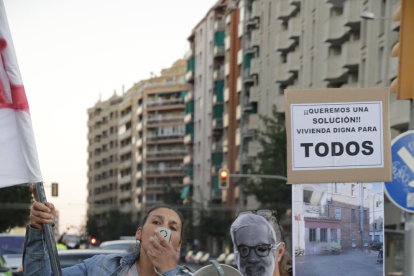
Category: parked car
[376,245]
[73,257]
[11,250]
[198,257]
[221,258]
[128,245]
[189,257]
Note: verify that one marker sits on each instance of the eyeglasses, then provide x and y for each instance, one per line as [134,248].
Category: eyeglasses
[262,250]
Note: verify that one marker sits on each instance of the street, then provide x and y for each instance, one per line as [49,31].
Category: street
[353,263]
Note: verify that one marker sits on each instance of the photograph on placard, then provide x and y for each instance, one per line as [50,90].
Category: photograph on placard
[338,227]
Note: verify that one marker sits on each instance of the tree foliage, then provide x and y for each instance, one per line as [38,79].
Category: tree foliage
[16,202]
[272,193]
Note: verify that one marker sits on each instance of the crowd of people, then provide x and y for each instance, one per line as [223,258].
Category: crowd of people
[257,240]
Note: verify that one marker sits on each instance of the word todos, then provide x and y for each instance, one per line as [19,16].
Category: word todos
[352,148]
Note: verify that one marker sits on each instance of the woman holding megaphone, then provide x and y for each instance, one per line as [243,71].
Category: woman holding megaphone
[154,256]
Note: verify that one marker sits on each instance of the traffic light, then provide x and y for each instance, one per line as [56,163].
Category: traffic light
[93,241]
[68,226]
[55,190]
[224,179]
[404,83]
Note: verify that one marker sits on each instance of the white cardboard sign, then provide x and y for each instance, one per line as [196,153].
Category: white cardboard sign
[327,136]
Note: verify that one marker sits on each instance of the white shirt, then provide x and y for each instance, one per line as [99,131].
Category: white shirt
[133,270]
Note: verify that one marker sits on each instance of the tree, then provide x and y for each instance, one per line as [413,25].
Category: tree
[16,201]
[272,193]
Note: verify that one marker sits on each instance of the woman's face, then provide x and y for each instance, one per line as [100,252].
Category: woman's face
[162,217]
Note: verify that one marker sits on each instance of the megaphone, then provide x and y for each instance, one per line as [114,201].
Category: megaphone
[216,269]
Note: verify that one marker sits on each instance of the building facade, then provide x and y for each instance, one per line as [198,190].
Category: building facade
[103,157]
[330,216]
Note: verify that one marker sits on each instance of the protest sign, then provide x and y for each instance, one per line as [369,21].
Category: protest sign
[338,135]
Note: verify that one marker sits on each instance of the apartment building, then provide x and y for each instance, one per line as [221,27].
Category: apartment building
[151,140]
[328,215]
[204,111]
[136,145]
[376,217]
[103,156]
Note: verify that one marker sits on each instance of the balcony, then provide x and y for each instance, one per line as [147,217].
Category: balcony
[226,120]
[239,85]
[282,74]
[225,145]
[254,94]
[219,25]
[125,164]
[335,31]
[152,122]
[238,137]
[351,14]
[240,57]
[187,180]
[333,70]
[189,118]
[125,119]
[139,126]
[164,138]
[247,77]
[283,42]
[189,77]
[124,180]
[139,174]
[164,103]
[124,135]
[293,63]
[253,148]
[188,97]
[125,149]
[247,106]
[124,194]
[238,112]
[254,121]
[217,123]
[166,153]
[219,51]
[255,66]
[315,211]
[139,110]
[126,208]
[139,143]
[227,68]
[284,9]
[189,54]
[240,29]
[188,160]
[246,131]
[188,139]
[255,10]
[294,28]
[351,54]
[255,42]
[165,171]
[218,74]
[227,43]
[217,146]
[139,157]
[226,94]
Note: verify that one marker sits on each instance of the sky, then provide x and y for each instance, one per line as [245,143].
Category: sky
[70,54]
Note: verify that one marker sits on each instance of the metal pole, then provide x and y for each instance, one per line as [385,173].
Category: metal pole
[268,176]
[48,234]
[373,217]
[409,223]
[361,215]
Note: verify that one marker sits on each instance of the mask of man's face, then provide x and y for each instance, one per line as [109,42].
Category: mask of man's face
[259,261]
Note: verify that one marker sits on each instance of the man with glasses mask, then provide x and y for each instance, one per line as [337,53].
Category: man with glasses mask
[256,247]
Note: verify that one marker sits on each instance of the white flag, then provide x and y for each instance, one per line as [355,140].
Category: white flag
[19,162]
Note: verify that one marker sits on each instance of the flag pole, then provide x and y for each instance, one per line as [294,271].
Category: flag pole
[48,234]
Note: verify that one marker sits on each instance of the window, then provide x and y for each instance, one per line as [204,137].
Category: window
[324,235]
[353,217]
[353,237]
[365,193]
[312,235]
[307,196]
[336,188]
[353,190]
[334,235]
[365,215]
[338,213]
[365,239]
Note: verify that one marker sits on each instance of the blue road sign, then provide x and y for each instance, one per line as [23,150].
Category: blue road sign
[401,190]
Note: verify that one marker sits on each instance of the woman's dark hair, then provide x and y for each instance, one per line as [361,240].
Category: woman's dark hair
[159,206]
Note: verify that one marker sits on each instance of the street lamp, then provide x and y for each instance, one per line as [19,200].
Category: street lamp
[371,16]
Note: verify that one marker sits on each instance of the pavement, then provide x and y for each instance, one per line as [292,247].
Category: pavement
[349,263]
